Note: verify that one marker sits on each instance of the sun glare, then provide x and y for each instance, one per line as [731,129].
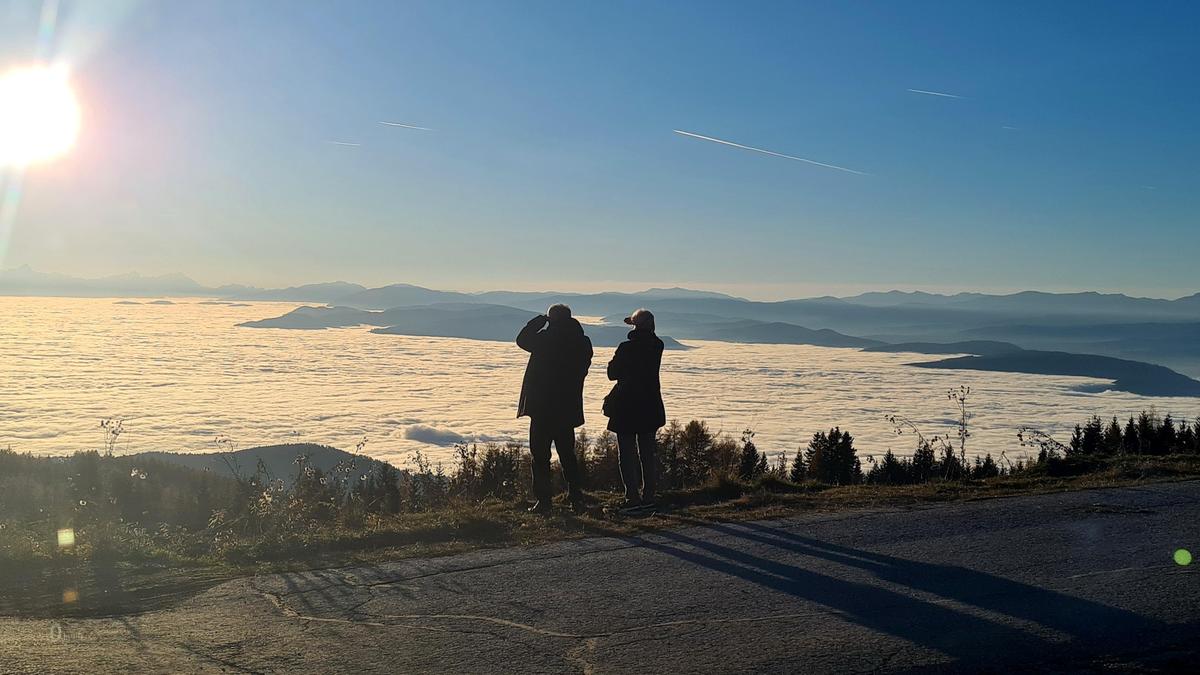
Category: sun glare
[39,115]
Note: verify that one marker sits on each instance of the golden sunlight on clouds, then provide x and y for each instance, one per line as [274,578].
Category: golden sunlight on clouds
[39,115]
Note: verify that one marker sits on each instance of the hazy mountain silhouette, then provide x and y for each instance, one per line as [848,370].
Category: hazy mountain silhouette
[776,332]
[1100,323]
[1183,335]
[1087,303]
[1132,376]
[26,281]
[318,318]
[472,321]
[894,309]
[495,322]
[1176,344]
[400,295]
[326,292]
[976,347]
[601,304]
[712,327]
[279,460]
[1038,302]
[894,298]
[677,292]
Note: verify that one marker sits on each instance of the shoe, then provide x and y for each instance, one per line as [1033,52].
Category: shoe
[631,503]
[577,503]
[540,508]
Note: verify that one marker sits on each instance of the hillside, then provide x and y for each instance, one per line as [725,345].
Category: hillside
[1132,376]
[976,347]
[495,323]
[777,332]
[279,460]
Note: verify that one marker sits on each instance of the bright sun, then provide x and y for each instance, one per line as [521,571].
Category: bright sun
[39,116]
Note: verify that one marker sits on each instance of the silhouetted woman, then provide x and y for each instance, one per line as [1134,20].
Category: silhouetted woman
[635,407]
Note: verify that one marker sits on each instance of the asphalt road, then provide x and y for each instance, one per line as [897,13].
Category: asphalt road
[1076,581]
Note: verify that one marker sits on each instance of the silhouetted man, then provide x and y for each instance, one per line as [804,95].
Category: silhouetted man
[552,397]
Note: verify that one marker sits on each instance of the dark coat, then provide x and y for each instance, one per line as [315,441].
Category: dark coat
[635,403]
[559,357]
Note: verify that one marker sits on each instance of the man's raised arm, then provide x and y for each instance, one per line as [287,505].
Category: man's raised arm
[530,336]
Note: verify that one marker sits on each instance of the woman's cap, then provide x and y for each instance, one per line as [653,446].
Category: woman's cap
[640,318]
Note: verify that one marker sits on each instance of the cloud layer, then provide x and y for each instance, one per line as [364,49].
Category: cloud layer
[423,433]
[182,374]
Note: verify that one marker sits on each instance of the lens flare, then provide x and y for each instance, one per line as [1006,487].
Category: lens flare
[39,115]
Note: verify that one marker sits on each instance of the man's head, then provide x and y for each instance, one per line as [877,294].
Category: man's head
[558,313]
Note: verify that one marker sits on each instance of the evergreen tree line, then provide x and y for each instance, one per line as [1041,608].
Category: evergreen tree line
[1147,434]
[148,498]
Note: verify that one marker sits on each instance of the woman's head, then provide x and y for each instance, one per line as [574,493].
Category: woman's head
[642,319]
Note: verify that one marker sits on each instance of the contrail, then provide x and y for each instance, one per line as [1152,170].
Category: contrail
[935,93]
[768,152]
[352,145]
[406,126]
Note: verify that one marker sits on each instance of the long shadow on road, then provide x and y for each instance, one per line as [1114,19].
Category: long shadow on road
[965,636]
[1068,614]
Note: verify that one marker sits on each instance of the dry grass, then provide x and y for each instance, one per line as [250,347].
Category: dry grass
[106,582]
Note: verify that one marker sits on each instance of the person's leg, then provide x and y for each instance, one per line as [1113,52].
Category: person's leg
[539,450]
[564,443]
[648,453]
[631,469]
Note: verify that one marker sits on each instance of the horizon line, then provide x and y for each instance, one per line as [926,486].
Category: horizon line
[846,290]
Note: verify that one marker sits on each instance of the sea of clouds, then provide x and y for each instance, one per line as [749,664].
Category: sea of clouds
[182,375]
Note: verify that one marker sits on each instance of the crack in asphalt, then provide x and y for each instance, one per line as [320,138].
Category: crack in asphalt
[277,601]
[582,655]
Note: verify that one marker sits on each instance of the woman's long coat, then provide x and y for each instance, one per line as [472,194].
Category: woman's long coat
[635,403]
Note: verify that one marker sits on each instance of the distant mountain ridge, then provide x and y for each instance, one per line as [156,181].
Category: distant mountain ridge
[24,280]
[1119,325]
[1031,301]
[326,292]
[473,321]
[1145,379]
[975,347]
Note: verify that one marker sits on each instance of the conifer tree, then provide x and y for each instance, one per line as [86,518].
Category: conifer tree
[799,470]
[923,463]
[1112,437]
[1130,443]
[1167,436]
[748,460]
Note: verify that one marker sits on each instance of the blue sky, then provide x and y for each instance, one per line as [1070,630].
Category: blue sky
[1070,161]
